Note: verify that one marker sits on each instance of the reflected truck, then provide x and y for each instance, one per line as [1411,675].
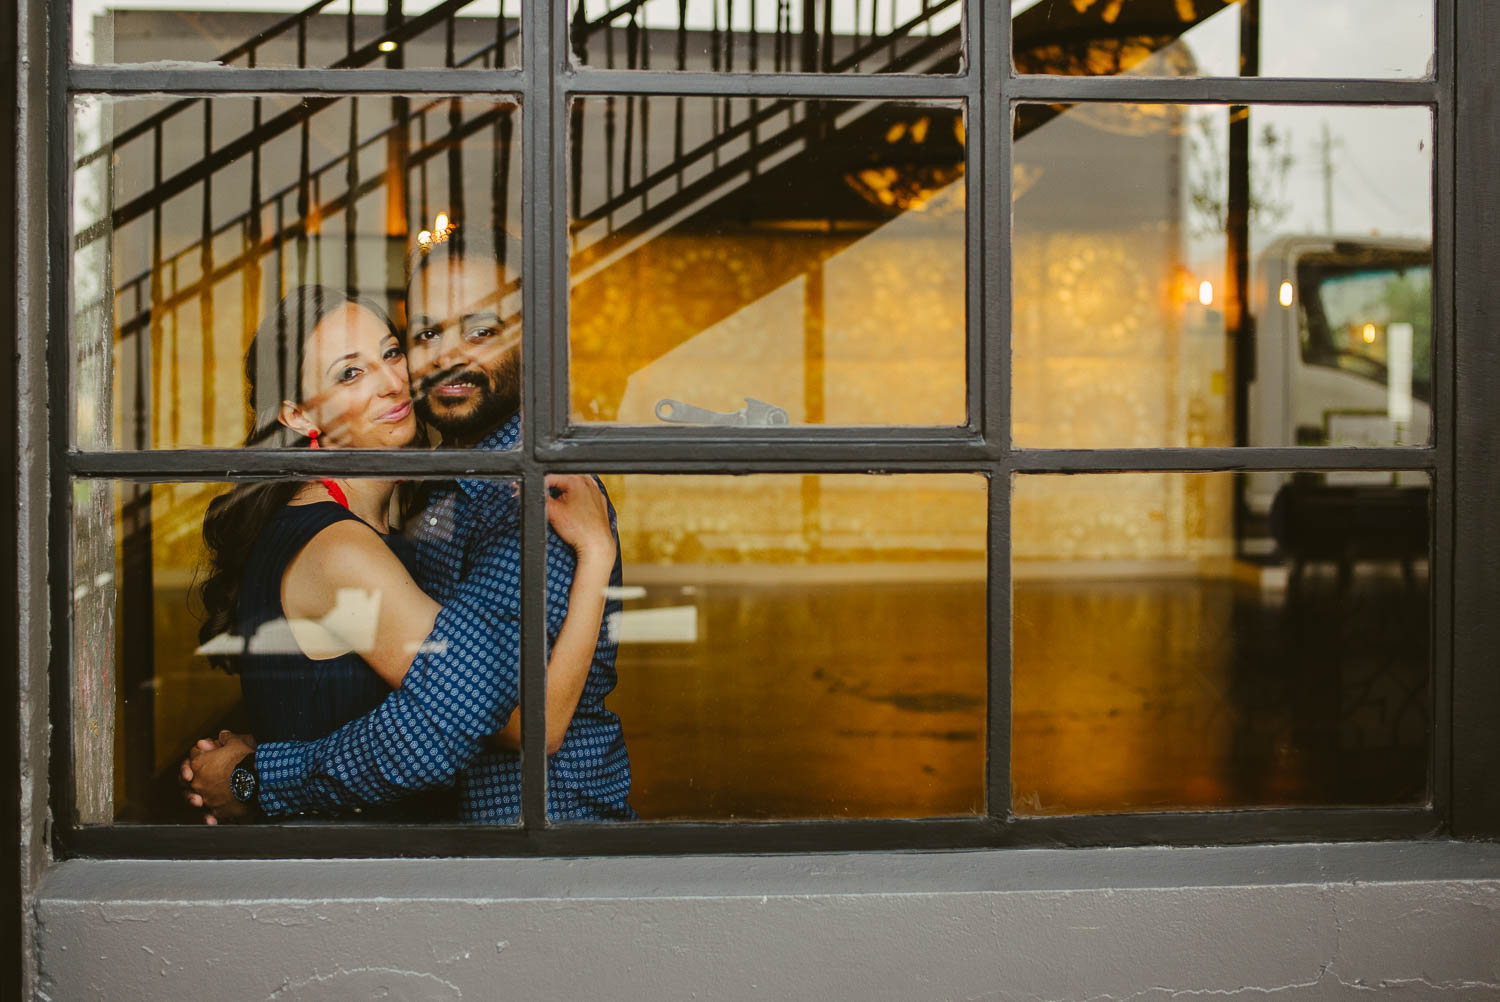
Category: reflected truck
[1342,357]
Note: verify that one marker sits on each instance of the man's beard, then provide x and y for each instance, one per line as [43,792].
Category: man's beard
[498,399]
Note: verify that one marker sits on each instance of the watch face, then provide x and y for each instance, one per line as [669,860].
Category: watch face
[242,784]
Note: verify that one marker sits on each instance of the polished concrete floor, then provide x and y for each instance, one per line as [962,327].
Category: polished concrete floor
[867,698]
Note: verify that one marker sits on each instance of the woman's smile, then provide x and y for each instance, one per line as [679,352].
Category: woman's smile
[397,414]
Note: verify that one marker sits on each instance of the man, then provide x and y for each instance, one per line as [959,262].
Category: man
[465,369]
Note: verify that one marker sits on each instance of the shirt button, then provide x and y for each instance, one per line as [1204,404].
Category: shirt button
[432,521]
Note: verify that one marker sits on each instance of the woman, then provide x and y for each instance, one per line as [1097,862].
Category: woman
[313,592]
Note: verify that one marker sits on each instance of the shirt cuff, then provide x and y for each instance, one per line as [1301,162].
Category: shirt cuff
[282,771]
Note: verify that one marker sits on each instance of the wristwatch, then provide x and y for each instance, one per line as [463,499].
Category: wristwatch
[244,782]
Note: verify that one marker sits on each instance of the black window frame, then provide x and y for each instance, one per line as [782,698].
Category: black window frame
[1463,458]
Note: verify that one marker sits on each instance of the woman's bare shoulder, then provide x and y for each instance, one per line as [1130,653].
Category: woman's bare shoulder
[344,554]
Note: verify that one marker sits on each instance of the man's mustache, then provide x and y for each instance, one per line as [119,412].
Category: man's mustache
[457,374]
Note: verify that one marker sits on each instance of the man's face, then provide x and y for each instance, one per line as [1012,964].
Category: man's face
[465,369]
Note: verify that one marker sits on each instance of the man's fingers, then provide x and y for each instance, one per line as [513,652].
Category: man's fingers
[207,744]
[195,800]
[225,735]
[209,819]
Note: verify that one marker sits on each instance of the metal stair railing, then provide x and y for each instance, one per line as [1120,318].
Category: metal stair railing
[1158,22]
[611,244]
[297,228]
[616,240]
[251,142]
[231,151]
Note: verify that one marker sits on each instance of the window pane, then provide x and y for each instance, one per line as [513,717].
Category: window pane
[833,36]
[175,639]
[767,262]
[801,646]
[1154,671]
[206,229]
[1330,38]
[1125,249]
[341,33]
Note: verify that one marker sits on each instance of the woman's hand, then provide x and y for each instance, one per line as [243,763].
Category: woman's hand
[205,774]
[579,514]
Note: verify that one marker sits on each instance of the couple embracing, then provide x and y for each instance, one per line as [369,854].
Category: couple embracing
[380,668]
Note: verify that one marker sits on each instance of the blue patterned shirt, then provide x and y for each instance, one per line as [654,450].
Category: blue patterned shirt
[466,683]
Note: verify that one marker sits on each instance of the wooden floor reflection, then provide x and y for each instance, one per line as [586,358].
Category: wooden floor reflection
[810,701]
[868,700]
[1217,693]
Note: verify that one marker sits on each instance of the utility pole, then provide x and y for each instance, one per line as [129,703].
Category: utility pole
[1326,146]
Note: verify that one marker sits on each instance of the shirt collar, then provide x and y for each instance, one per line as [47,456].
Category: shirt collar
[503,438]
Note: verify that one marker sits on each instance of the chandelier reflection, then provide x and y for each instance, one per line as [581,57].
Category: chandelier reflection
[919,158]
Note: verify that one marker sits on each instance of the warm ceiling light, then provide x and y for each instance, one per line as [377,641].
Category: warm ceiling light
[1286,293]
[440,222]
[424,238]
[1206,293]
[1369,333]
[387,46]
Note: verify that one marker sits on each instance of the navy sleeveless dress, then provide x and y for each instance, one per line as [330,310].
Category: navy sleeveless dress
[289,696]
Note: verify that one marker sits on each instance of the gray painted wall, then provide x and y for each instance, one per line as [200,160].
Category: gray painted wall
[1416,921]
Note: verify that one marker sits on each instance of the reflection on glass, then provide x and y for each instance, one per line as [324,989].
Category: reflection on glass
[333,33]
[287,610]
[1224,38]
[1133,227]
[1154,671]
[802,647]
[197,224]
[767,262]
[832,36]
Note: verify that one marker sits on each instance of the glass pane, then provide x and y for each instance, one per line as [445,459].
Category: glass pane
[800,646]
[217,246]
[1132,225]
[279,33]
[767,262]
[270,609]
[829,36]
[1224,38]
[1154,671]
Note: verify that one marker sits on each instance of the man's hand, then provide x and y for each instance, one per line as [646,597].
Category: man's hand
[206,773]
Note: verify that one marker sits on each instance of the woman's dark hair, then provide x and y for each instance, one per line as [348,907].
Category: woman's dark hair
[273,367]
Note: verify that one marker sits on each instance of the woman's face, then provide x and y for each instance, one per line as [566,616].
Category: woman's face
[354,380]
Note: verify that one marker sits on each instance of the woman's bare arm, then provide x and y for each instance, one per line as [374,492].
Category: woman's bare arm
[346,591]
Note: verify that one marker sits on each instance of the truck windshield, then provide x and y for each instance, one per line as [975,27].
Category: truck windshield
[1349,313]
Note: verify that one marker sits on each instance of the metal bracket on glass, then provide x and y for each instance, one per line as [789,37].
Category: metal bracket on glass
[755,414]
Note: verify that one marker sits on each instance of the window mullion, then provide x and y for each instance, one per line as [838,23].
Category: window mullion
[1475,538]
[990,152]
[1444,412]
[544,24]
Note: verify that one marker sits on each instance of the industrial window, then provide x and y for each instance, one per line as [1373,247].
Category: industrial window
[1023,426]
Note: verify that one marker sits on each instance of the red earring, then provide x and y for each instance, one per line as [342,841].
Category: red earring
[334,490]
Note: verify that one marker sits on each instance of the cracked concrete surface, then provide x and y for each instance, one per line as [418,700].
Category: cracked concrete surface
[859,928]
